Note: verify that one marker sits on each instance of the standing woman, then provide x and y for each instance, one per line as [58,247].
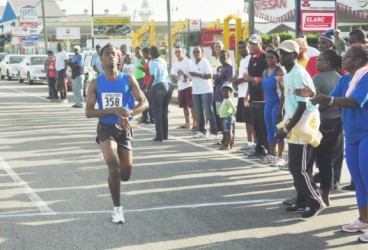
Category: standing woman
[147,115]
[161,90]
[274,104]
[351,95]
[331,124]
[201,73]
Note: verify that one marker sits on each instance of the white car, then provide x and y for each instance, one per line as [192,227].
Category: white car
[32,69]
[9,67]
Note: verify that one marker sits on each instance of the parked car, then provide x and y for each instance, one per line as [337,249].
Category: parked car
[32,68]
[2,55]
[89,73]
[9,67]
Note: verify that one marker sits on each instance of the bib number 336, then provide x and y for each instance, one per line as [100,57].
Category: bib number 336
[110,100]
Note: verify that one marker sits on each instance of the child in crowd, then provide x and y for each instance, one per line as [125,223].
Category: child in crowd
[128,67]
[52,77]
[227,112]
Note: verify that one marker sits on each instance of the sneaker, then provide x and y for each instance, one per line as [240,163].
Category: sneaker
[285,167]
[199,135]
[211,137]
[250,151]
[356,226]
[278,162]
[309,212]
[267,159]
[289,202]
[64,101]
[350,187]
[255,154]
[247,146]
[363,237]
[118,215]
[295,209]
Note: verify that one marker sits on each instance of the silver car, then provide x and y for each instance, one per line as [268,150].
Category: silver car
[9,67]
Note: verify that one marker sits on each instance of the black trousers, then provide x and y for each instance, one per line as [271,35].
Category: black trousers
[259,125]
[330,130]
[300,164]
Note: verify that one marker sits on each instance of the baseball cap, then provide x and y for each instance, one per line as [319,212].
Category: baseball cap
[289,46]
[255,39]
[338,31]
[76,47]
[227,85]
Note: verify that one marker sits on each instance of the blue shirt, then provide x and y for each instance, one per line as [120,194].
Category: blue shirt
[96,61]
[355,120]
[77,70]
[158,68]
[116,93]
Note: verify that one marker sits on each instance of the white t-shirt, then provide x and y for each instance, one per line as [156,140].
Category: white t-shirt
[60,58]
[243,68]
[129,69]
[180,69]
[200,85]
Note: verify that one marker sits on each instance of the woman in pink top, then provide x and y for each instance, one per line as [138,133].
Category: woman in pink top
[52,77]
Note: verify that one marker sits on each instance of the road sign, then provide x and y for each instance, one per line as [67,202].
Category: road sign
[68,33]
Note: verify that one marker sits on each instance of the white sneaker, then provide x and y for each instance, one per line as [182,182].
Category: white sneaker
[211,137]
[199,135]
[278,162]
[267,159]
[118,215]
[246,147]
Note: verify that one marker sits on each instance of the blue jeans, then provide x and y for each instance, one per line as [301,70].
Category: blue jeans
[77,86]
[161,96]
[203,105]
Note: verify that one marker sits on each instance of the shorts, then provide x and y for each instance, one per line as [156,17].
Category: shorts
[228,123]
[185,98]
[124,138]
[60,74]
[243,113]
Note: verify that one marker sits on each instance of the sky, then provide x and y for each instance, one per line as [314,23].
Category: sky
[207,10]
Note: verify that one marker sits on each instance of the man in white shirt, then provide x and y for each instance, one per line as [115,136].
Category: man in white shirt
[243,113]
[61,67]
[180,73]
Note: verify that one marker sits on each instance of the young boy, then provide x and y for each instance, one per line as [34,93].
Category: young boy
[227,112]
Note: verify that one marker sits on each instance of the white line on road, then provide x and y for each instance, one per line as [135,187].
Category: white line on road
[19,91]
[26,188]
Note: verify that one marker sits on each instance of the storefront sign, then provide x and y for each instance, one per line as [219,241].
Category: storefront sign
[68,33]
[317,21]
[111,27]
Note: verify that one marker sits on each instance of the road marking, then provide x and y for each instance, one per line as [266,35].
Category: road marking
[19,91]
[190,206]
[26,188]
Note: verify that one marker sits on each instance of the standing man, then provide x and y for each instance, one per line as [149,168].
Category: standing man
[96,61]
[123,50]
[61,64]
[257,65]
[180,72]
[78,77]
[114,133]
[276,41]
[340,43]
[301,113]
[243,114]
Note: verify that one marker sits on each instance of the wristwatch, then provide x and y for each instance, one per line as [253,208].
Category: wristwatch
[285,130]
[331,101]
[131,111]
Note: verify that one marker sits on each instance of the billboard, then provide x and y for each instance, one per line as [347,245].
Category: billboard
[111,27]
[317,21]
[68,33]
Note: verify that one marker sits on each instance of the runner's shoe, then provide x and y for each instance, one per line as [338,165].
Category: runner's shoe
[118,215]
[363,237]
[356,226]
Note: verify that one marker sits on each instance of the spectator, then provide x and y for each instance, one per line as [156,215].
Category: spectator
[61,66]
[340,43]
[123,50]
[138,70]
[303,49]
[269,47]
[227,112]
[161,91]
[147,115]
[46,67]
[51,74]
[203,98]
[78,77]
[96,61]
[274,103]
[128,66]
[243,114]
[276,41]
[180,73]
[301,125]
[351,94]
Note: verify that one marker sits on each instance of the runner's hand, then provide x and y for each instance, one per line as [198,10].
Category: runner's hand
[124,123]
[122,112]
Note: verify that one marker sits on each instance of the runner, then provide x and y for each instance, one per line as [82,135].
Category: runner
[114,133]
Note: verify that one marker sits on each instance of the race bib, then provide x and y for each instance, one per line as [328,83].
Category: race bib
[110,100]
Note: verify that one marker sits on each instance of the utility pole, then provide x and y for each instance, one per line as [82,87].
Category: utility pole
[251,17]
[44,25]
[93,38]
[169,30]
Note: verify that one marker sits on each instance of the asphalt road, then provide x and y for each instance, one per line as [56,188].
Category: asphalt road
[184,193]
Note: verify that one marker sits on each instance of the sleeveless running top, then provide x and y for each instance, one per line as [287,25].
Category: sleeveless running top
[270,86]
[116,93]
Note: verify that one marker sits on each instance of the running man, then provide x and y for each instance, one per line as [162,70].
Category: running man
[114,133]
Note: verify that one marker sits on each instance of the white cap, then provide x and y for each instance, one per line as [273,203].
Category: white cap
[255,39]
[76,47]
[289,46]
[227,85]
